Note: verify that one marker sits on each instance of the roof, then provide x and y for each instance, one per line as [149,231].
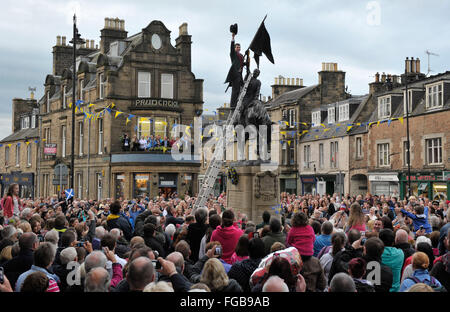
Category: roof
[22,135]
[291,96]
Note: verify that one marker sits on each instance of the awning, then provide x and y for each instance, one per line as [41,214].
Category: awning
[383,177]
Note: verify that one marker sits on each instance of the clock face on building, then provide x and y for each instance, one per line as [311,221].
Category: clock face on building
[156,42]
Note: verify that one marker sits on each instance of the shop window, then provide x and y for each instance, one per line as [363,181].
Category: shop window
[141,185]
[439,191]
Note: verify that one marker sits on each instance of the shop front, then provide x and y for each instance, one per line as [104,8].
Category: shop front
[167,183]
[25,181]
[288,183]
[433,185]
[384,184]
[308,184]
[141,185]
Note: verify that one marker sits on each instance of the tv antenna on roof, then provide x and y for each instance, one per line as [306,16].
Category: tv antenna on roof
[430,53]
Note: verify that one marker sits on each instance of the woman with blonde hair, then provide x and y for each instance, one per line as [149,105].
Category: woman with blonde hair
[215,277]
[420,262]
[356,219]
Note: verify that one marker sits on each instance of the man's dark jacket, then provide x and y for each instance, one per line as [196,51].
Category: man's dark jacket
[341,260]
[120,223]
[386,275]
[241,271]
[234,73]
[154,244]
[195,233]
[18,265]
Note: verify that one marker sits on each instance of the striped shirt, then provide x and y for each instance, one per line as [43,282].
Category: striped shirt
[52,286]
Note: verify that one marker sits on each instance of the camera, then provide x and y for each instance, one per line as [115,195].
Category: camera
[256,235]
[156,264]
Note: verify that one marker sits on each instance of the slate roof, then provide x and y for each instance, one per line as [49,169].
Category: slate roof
[291,96]
[22,135]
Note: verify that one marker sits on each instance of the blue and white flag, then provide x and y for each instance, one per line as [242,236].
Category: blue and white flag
[69,194]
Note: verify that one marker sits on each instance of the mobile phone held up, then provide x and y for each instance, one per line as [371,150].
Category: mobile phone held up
[2,279]
[156,264]
[218,251]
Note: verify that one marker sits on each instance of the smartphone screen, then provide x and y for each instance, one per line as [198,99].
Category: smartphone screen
[2,279]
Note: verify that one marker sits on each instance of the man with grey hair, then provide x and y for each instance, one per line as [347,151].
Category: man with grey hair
[122,246]
[401,242]
[275,284]
[52,237]
[342,282]
[97,280]
[95,259]
[10,232]
[26,214]
[140,274]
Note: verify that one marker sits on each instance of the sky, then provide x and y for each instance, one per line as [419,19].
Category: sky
[363,37]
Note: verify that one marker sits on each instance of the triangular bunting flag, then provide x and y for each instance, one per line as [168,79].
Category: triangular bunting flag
[117,114]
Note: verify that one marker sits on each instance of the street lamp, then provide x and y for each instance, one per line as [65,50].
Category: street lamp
[407,133]
[76,43]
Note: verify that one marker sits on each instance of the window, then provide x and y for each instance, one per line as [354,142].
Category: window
[144,84]
[315,118]
[321,155]
[47,107]
[160,126]
[307,156]
[29,155]
[25,122]
[63,141]
[6,156]
[33,121]
[100,136]
[47,140]
[434,151]
[284,154]
[17,155]
[292,120]
[167,86]
[79,185]
[383,154]
[81,138]
[409,102]
[99,186]
[358,147]
[81,89]
[64,104]
[384,107]
[144,127]
[405,153]
[344,112]
[331,115]
[334,154]
[292,153]
[101,87]
[434,96]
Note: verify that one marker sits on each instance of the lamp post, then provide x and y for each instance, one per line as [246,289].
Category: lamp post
[76,42]
[407,134]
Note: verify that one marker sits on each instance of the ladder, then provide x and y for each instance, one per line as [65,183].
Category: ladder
[217,159]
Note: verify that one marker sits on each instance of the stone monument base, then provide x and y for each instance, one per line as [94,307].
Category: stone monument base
[255,192]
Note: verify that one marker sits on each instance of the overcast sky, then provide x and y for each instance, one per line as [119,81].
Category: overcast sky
[363,37]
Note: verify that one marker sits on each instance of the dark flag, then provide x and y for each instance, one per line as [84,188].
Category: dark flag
[261,44]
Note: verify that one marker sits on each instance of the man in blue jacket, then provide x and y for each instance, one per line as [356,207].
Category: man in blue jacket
[419,218]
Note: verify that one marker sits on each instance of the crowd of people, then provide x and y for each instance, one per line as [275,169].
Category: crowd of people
[145,143]
[310,243]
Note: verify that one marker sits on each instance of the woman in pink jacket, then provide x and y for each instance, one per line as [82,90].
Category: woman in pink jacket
[228,235]
[301,236]
[11,202]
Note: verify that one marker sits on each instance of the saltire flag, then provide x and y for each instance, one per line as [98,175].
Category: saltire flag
[69,194]
[261,44]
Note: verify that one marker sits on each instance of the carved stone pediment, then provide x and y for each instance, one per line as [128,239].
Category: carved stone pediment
[266,185]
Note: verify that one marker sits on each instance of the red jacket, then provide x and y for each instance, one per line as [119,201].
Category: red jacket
[8,207]
[228,238]
[302,238]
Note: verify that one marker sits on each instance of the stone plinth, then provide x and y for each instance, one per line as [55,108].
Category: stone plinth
[255,192]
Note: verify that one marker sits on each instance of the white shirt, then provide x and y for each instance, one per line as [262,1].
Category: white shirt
[16,206]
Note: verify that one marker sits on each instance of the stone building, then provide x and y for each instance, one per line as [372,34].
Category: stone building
[291,105]
[429,124]
[150,83]
[19,150]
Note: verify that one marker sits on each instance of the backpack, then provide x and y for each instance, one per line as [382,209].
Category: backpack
[433,284]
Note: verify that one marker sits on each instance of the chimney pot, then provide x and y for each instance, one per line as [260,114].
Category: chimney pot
[63,40]
[106,22]
[92,44]
[383,77]
[297,81]
[301,82]
[87,44]
[377,77]
[276,81]
[323,66]
[183,29]
[122,25]
[335,67]
[58,40]
[417,65]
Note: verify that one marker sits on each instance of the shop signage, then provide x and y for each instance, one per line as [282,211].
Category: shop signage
[141,177]
[383,178]
[120,177]
[162,103]
[167,183]
[423,178]
[188,178]
[308,180]
[19,178]
[50,149]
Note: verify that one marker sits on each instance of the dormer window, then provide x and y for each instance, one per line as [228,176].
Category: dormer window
[409,101]
[25,122]
[315,118]
[434,95]
[384,107]
[344,112]
[331,115]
